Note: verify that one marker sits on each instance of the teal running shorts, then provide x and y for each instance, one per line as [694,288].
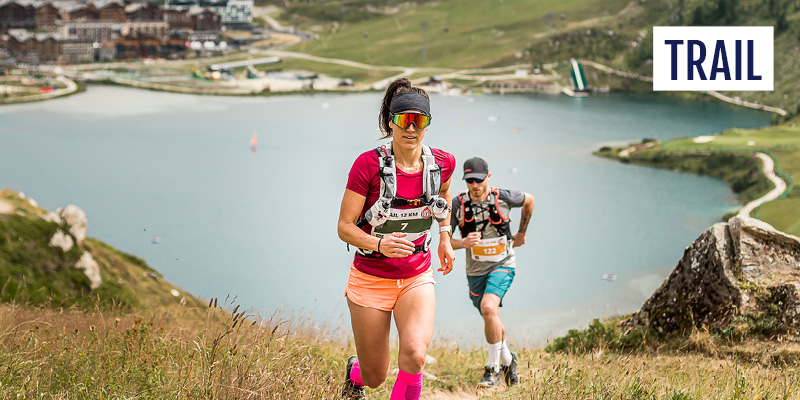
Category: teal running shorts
[496,282]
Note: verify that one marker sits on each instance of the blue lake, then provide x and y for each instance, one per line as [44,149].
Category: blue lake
[262,225]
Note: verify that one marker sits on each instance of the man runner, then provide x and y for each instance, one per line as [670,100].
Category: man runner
[481,215]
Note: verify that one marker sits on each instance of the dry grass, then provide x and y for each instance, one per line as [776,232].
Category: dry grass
[18,204]
[163,346]
[211,353]
[170,353]
[608,375]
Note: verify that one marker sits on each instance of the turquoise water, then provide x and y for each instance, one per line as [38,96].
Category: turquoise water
[262,225]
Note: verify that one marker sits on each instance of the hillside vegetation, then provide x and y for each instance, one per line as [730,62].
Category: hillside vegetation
[460,34]
[618,33]
[133,338]
[136,335]
[729,156]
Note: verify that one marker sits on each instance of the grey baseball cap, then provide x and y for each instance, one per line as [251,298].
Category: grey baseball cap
[475,167]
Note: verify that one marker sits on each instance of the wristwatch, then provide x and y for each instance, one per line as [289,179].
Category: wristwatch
[445,229]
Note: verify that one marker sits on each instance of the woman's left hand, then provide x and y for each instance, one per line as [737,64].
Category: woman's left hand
[446,256]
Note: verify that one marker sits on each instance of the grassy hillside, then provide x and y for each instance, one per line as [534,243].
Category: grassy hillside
[630,46]
[784,142]
[460,34]
[337,70]
[468,34]
[36,274]
[133,338]
[180,355]
[729,156]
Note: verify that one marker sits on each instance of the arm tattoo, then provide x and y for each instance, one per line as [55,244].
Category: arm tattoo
[523,222]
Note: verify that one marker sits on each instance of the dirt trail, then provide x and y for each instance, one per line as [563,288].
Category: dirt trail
[589,22]
[731,100]
[446,395]
[780,186]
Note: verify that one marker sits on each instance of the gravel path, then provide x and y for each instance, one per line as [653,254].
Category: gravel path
[446,395]
[731,100]
[780,187]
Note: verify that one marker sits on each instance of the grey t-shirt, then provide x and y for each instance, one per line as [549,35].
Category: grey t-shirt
[507,199]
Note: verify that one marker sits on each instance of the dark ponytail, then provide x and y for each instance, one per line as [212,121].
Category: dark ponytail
[399,85]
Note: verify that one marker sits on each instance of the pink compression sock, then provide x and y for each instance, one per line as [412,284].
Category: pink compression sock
[407,387]
[355,374]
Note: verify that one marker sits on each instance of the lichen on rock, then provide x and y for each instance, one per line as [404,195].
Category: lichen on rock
[741,268]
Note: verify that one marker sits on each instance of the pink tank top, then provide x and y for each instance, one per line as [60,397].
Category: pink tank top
[364,180]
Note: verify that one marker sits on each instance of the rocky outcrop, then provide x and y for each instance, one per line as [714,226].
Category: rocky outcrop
[31,201]
[62,240]
[742,267]
[90,268]
[74,218]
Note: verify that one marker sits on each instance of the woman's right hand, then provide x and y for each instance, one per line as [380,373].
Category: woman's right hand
[394,246]
[472,239]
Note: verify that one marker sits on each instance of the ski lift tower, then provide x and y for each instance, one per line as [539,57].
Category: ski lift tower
[549,17]
[424,38]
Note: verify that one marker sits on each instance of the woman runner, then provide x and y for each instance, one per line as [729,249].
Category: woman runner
[394,194]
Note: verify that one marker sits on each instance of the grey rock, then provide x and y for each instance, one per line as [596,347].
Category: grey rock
[31,201]
[54,216]
[90,268]
[74,218]
[736,268]
[62,240]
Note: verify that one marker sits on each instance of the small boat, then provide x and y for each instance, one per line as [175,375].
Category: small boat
[156,240]
[609,277]
[254,141]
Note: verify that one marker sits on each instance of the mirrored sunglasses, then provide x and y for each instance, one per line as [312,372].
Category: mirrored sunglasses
[473,180]
[403,120]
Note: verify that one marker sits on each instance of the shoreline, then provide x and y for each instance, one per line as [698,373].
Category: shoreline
[769,185]
[71,88]
[261,86]
[717,95]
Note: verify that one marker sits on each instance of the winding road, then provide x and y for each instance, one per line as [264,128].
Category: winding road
[780,186]
[732,100]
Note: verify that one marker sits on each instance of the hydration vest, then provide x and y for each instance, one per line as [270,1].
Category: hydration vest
[417,221]
[496,218]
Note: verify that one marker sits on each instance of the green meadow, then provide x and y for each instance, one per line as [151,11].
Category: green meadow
[330,69]
[730,156]
[460,34]
[783,142]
